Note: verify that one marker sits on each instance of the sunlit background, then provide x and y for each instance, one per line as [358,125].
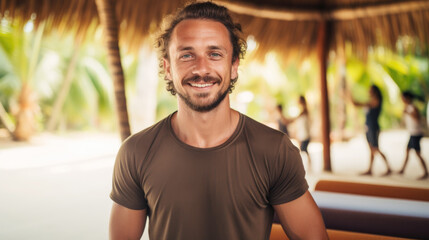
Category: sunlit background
[59,94]
[68,85]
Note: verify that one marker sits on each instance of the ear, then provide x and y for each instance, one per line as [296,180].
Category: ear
[167,68]
[234,68]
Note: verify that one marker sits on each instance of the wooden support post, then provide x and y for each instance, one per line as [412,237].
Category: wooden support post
[322,45]
[106,11]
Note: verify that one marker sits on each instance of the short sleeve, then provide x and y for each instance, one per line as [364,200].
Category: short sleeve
[287,181]
[126,186]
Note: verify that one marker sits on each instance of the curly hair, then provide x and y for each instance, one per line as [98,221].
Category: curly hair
[201,10]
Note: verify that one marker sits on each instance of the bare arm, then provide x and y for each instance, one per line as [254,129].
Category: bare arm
[356,103]
[125,223]
[413,112]
[350,97]
[301,218]
[285,120]
[360,104]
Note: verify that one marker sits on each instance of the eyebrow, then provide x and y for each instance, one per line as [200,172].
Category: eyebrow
[211,47]
[180,48]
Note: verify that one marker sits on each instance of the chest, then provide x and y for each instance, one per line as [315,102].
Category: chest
[231,179]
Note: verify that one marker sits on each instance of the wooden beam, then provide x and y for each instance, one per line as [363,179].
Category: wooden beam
[334,14]
[378,10]
[270,13]
[323,39]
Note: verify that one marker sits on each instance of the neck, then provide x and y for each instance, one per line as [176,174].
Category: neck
[205,129]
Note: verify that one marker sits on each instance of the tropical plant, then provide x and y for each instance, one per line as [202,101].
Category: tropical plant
[81,94]
[20,55]
[68,86]
[107,14]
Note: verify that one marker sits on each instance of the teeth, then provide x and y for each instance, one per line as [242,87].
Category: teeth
[201,85]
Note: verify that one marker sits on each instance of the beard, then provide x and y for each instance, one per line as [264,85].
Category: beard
[200,107]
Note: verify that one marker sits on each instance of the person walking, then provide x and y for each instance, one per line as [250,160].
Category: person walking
[413,124]
[282,121]
[373,107]
[302,122]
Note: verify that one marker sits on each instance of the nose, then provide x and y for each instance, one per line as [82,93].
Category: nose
[201,67]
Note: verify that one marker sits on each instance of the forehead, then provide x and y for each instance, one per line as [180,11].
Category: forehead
[192,31]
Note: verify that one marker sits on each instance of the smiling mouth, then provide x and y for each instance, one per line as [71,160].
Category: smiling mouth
[197,81]
[201,85]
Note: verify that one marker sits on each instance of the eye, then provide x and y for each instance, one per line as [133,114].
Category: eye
[215,55]
[186,56]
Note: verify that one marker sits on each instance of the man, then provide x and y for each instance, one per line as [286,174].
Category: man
[207,171]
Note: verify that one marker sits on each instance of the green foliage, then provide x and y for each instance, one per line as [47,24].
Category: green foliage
[9,56]
[393,74]
[410,73]
[89,102]
[101,84]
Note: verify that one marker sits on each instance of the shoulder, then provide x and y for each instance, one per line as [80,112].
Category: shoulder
[262,130]
[277,157]
[141,141]
[265,138]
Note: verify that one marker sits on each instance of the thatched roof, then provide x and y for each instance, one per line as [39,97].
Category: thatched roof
[292,26]
[289,27]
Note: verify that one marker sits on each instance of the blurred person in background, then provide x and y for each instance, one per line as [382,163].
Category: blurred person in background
[302,123]
[414,125]
[282,121]
[373,110]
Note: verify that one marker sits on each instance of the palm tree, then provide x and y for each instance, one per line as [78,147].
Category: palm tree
[64,90]
[81,96]
[5,120]
[106,10]
[21,52]
[70,86]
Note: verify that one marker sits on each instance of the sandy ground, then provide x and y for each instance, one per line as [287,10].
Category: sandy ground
[57,186]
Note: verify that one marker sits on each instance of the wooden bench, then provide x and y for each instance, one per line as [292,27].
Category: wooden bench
[411,193]
[375,215]
[353,210]
[277,233]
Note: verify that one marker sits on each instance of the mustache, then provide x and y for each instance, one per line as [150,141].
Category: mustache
[198,78]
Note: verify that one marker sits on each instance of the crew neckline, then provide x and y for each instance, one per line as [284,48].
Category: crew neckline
[233,136]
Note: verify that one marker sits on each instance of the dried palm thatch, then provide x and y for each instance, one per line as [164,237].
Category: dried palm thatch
[137,19]
[288,27]
[292,28]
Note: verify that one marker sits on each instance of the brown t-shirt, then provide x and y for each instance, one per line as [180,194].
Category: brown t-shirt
[224,192]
